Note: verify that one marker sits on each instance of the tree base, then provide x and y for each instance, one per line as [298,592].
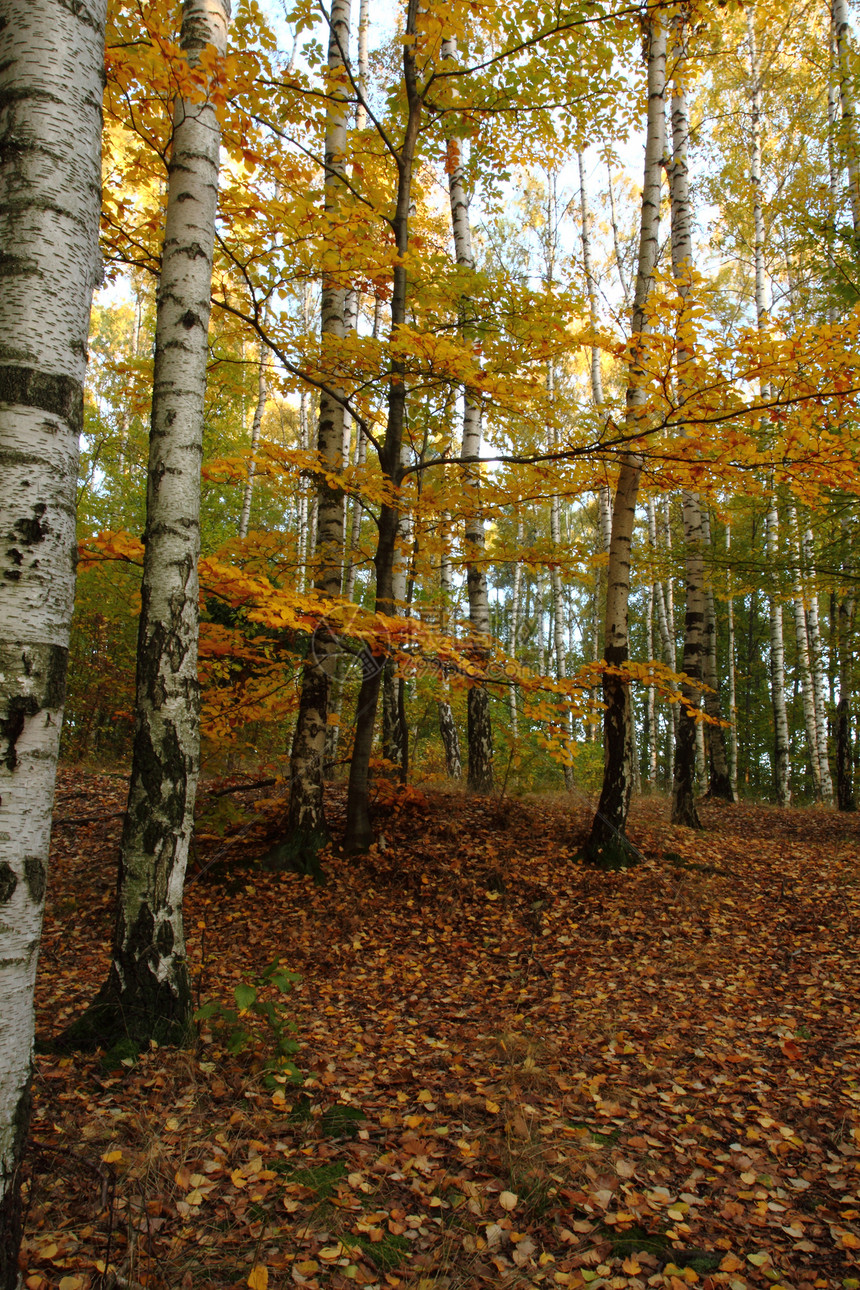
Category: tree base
[122,1030]
[610,854]
[720,790]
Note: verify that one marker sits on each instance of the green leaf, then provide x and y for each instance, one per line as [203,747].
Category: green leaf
[245,996]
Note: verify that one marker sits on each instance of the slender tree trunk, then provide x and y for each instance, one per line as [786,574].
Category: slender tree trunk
[819,675]
[305,825]
[730,650]
[359,831]
[781,765]
[801,636]
[539,625]
[720,779]
[604,497]
[665,633]
[262,394]
[51,67]
[683,803]
[606,842]
[619,263]
[558,627]
[147,994]
[845,796]
[395,736]
[515,624]
[480,731]
[848,132]
[781,757]
[683,789]
[649,732]
[447,724]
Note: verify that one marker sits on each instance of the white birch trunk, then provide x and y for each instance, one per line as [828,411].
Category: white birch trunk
[516,592]
[447,724]
[256,426]
[650,725]
[480,731]
[720,783]
[305,825]
[781,764]
[606,839]
[848,131]
[148,990]
[781,755]
[689,747]
[733,697]
[801,636]
[51,68]
[819,675]
[558,625]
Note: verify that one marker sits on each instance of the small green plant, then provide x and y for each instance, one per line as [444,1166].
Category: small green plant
[229,1021]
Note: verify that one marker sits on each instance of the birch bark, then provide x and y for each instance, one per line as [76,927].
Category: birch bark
[819,675]
[683,785]
[516,592]
[801,637]
[730,649]
[51,67]
[841,34]
[447,724]
[256,426]
[359,830]
[604,498]
[606,842]
[305,825]
[781,755]
[147,994]
[781,762]
[720,784]
[480,730]
[845,797]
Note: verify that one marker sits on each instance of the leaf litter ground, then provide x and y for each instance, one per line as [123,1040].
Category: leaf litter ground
[519,1072]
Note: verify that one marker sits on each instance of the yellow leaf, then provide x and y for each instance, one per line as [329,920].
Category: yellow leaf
[112,1157]
[631,1267]
[259,1277]
[71,1283]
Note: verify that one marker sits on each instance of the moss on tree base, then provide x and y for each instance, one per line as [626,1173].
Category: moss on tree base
[115,1024]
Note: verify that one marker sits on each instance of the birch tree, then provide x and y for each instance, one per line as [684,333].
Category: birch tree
[720,782]
[51,67]
[305,824]
[781,756]
[479,725]
[683,802]
[256,426]
[606,843]
[147,994]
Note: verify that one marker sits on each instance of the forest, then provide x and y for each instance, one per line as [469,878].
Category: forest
[429,462]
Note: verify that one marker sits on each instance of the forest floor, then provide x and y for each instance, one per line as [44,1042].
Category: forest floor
[518,1071]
